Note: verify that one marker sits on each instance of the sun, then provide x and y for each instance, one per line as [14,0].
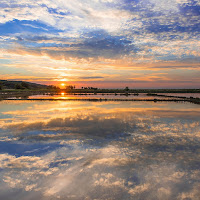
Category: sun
[62,84]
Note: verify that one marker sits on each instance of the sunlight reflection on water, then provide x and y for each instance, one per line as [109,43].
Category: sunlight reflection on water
[94,96]
[99,150]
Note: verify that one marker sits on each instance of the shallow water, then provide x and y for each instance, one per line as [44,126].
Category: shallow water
[99,150]
[93,96]
[194,95]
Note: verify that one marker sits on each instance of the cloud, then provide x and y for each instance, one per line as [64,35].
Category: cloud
[65,14]
[91,77]
[100,36]
[87,13]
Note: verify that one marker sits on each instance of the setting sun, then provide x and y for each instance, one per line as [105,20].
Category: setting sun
[62,84]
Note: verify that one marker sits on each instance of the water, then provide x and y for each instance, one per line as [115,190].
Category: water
[95,96]
[194,95]
[99,150]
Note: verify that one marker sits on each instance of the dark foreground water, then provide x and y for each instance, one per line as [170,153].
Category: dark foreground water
[99,150]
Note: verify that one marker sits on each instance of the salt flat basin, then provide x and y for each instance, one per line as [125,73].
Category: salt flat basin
[194,95]
[99,150]
[96,96]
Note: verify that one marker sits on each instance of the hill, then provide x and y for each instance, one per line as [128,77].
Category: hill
[5,84]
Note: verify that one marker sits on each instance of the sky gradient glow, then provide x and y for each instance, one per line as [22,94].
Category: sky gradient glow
[103,43]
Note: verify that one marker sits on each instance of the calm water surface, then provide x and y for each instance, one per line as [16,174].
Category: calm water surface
[99,150]
[195,95]
[91,96]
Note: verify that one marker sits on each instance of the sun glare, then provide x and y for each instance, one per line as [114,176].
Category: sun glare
[62,84]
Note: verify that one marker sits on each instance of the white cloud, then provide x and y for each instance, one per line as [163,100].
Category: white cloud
[78,14]
[164,5]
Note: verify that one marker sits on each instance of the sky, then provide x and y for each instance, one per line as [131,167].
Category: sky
[102,43]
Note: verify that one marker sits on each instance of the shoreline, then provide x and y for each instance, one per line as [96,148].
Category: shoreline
[196,101]
[157,95]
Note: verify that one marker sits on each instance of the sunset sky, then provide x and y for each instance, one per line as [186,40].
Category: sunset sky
[102,43]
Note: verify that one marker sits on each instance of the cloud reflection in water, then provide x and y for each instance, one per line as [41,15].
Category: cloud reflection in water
[118,150]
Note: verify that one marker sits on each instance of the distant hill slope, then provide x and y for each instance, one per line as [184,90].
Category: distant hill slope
[20,85]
